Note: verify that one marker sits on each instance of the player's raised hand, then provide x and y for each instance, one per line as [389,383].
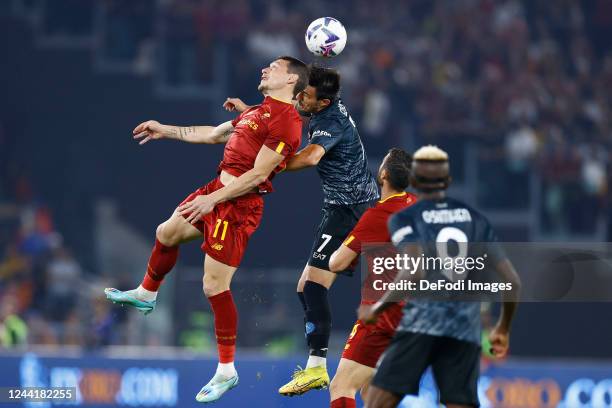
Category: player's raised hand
[235,104]
[195,209]
[149,130]
[500,341]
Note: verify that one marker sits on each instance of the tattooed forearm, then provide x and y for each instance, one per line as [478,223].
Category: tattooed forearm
[201,134]
[185,132]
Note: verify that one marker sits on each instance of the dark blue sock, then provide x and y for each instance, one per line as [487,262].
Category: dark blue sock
[318,318]
[303,302]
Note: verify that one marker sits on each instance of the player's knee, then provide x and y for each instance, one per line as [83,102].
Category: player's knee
[300,284]
[335,387]
[212,285]
[208,286]
[320,276]
[168,234]
[340,386]
[159,231]
[163,234]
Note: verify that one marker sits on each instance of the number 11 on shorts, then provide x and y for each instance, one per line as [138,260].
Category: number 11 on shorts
[225,224]
[326,238]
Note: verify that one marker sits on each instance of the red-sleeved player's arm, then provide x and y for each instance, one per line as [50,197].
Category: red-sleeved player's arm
[284,133]
[364,231]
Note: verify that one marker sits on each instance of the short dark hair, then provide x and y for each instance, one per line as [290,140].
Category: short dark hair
[398,166]
[297,66]
[326,81]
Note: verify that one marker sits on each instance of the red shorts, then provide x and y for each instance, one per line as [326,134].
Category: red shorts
[367,342]
[229,226]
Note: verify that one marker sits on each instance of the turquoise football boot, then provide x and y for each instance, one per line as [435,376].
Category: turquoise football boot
[128,298]
[216,387]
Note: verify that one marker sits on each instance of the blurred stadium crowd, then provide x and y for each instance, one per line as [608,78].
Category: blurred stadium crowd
[45,295]
[527,81]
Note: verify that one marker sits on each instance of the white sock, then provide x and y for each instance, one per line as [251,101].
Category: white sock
[143,294]
[226,369]
[315,361]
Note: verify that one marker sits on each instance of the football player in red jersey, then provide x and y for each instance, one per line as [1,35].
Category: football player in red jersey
[227,210]
[366,343]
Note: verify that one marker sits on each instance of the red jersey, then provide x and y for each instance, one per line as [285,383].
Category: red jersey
[275,124]
[372,228]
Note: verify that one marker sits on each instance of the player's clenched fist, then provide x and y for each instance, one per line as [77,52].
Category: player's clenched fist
[150,130]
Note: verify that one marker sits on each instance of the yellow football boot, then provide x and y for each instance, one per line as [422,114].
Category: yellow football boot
[314,378]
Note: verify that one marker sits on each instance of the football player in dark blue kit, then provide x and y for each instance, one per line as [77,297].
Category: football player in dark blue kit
[349,188]
[443,334]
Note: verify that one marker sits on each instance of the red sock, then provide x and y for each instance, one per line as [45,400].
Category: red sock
[226,324]
[161,262]
[343,402]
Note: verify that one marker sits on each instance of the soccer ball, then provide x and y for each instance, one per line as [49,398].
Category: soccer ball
[325,37]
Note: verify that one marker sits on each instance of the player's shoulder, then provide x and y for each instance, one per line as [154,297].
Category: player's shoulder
[277,109]
[340,114]
[413,205]
[396,203]
[374,218]
[334,113]
[371,215]
[251,110]
[327,120]
[341,109]
[413,198]
[408,200]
